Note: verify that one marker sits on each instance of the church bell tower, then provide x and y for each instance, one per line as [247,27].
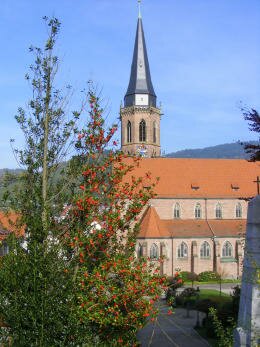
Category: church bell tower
[140,116]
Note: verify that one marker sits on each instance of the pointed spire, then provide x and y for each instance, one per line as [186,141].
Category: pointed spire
[140,85]
[139,8]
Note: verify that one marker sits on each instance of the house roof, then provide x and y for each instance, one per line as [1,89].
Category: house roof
[208,178]
[154,227]
[8,224]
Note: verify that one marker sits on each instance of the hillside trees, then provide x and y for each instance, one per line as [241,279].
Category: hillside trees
[35,292]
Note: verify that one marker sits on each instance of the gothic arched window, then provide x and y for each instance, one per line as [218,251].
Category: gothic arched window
[129,131]
[205,250]
[227,250]
[238,210]
[183,250]
[154,132]
[218,211]
[142,131]
[177,211]
[154,251]
[140,251]
[198,211]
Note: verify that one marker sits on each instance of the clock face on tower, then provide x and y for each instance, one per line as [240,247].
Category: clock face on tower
[141,100]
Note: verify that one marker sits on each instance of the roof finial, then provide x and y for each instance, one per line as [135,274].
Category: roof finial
[139,6]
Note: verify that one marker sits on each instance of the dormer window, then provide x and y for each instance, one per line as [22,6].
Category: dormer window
[195,186]
[234,186]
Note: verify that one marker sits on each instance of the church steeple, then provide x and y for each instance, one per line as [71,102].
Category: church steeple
[140,118]
[140,90]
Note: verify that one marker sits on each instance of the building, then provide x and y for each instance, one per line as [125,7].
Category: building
[198,219]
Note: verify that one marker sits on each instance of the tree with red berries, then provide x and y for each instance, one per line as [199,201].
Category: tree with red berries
[116,290]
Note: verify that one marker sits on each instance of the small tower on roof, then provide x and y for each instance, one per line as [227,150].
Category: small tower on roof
[140,117]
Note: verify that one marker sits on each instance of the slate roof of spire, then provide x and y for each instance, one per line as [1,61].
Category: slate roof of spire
[140,78]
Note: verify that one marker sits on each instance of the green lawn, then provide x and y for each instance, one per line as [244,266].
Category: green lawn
[197,283]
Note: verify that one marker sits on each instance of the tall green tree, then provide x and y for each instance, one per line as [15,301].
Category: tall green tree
[36,294]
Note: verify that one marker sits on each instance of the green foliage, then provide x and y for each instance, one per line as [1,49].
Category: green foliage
[224,334]
[206,276]
[36,293]
[188,276]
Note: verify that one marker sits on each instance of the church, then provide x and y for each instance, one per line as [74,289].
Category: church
[197,221]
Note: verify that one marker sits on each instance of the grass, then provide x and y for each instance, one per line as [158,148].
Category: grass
[212,282]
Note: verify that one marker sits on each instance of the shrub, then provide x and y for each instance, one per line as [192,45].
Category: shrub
[188,276]
[173,282]
[204,305]
[235,299]
[188,292]
[206,276]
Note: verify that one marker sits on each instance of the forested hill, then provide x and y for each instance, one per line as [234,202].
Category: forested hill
[227,151]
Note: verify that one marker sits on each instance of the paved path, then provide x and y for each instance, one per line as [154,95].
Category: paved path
[174,330]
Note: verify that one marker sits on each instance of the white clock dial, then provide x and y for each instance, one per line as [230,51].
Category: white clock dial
[141,99]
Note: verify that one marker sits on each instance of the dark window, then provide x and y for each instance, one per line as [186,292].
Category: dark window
[154,251]
[154,132]
[142,131]
[129,132]
[4,249]
[177,211]
[140,251]
[183,250]
[238,211]
[218,211]
[198,211]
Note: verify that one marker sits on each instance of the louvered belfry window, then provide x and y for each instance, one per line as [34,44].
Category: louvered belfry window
[129,132]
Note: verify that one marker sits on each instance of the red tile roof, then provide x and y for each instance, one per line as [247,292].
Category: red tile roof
[154,227]
[202,177]
[7,224]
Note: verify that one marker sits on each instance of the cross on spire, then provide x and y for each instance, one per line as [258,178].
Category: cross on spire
[258,184]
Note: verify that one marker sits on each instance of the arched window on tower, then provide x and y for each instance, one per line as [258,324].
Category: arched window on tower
[238,210]
[205,250]
[129,131]
[142,131]
[198,211]
[154,251]
[177,211]
[154,132]
[218,211]
[183,250]
[227,250]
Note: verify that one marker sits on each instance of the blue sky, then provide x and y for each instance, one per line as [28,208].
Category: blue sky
[204,58]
